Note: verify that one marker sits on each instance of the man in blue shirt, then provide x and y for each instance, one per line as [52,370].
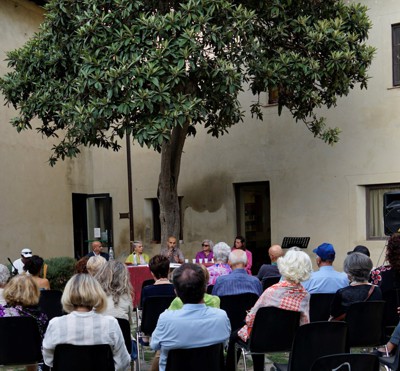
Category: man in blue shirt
[239,281]
[193,326]
[326,280]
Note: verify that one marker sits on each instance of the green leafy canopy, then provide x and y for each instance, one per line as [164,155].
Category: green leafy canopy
[100,69]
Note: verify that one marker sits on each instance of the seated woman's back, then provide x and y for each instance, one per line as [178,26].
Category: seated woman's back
[34,266]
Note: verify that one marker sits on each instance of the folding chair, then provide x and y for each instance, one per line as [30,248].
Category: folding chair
[69,357]
[273,331]
[50,303]
[393,362]
[347,362]
[365,321]
[153,306]
[391,317]
[126,333]
[320,307]
[236,306]
[210,358]
[315,340]
[13,349]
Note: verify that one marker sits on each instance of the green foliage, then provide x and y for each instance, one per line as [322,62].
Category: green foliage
[59,271]
[99,69]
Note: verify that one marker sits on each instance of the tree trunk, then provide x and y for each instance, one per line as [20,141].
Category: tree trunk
[171,154]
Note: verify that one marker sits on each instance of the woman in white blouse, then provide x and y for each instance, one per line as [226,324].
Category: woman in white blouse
[84,300]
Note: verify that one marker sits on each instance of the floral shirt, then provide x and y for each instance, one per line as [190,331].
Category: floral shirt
[19,311]
[284,295]
[385,277]
[217,270]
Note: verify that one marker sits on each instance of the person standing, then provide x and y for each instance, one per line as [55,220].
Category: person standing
[172,251]
[26,254]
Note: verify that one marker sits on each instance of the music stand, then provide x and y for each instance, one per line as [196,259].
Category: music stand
[301,242]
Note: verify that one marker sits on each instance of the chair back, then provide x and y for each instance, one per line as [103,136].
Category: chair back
[50,303]
[210,358]
[273,330]
[391,317]
[20,341]
[148,282]
[69,357]
[126,333]
[320,307]
[236,306]
[269,281]
[365,321]
[152,308]
[347,362]
[315,340]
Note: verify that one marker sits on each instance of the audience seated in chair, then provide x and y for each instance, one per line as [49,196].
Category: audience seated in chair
[195,325]
[221,267]
[271,270]
[357,266]
[288,294]
[209,300]
[94,264]
[22,297]
[85,300]
[159,268]
[34,267]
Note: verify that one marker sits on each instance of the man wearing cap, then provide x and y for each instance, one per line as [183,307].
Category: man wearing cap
[326,280]
[19,263]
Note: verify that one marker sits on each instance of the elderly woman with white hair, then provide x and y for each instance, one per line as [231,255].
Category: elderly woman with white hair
[221,267]
[295,267]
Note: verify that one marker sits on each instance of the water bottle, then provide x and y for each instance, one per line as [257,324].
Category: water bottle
[111,253]
[135,260]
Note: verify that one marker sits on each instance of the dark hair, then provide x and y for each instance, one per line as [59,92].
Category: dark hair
[80,266]
[159,266]
[190,283]
[242,240]
[34,265]
[393,251]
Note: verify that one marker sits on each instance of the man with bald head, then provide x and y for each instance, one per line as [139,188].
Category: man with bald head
[97,247]
[271,270]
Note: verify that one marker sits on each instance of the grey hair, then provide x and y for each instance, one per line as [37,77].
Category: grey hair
[295,266]
[4,275]
[238,256]
[210,243]
[137,242]
[358,267]
[221,252]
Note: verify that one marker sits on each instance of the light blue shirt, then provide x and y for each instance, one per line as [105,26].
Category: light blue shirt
[193,326]
[237,282]
[326,281]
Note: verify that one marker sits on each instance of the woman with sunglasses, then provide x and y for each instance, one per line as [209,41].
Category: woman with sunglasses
[206,252]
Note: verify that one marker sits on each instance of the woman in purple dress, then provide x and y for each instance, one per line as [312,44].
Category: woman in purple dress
[206,253]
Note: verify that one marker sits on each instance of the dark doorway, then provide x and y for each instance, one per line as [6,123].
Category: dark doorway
[92,220]
[253,219]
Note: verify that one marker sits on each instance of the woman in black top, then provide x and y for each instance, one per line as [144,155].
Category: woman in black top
[357,266]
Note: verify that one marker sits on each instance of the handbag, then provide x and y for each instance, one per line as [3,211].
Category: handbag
[342,317]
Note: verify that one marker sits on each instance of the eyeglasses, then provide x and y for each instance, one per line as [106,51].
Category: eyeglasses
[205,245]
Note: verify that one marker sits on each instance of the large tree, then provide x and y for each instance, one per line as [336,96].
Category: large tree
[98,70]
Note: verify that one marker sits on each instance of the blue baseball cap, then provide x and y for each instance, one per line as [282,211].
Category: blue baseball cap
[325,251]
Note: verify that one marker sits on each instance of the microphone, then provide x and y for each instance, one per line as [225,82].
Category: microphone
[15,270]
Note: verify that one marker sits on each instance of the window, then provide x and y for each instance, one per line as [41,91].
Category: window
[396,53]
[375,210]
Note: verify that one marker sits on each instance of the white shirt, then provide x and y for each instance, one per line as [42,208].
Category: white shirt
[86,328]
[19,265]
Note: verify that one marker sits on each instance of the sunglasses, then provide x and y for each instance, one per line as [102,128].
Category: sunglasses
[205,245]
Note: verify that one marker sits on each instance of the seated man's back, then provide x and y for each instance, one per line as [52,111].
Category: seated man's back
[193,326]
